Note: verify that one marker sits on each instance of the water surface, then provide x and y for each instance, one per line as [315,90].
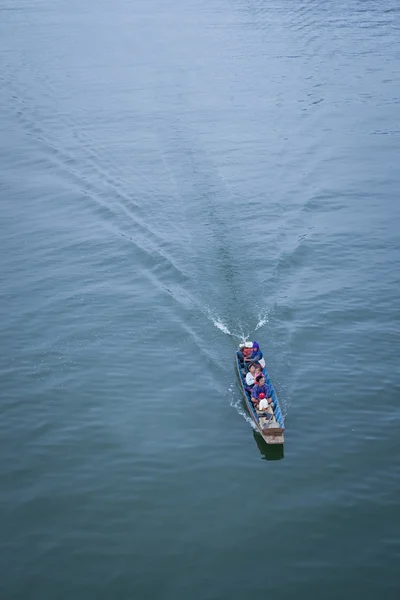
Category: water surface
[176,175]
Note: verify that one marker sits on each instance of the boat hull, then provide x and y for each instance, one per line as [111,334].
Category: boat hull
[271,430]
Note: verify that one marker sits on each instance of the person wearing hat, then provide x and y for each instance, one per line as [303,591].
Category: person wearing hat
[245,350]
[256,355]
[260,387]
[248,349]
[263,404]
[240,354]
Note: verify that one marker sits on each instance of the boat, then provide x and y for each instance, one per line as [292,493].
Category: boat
[269,422]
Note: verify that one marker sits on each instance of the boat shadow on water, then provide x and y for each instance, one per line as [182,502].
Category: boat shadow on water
[268,451]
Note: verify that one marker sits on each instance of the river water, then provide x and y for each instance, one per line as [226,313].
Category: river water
[174,176]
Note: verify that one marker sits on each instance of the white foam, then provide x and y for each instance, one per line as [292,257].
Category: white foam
[261,323]
[236,402]
[219,324]
[217,321]
[222,327]
[262,319]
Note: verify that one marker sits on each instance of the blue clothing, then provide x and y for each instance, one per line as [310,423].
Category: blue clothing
[256,355]
[258,389]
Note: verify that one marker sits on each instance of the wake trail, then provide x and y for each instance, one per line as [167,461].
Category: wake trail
[219,324]
[239,333]
[262,318]
[236,402]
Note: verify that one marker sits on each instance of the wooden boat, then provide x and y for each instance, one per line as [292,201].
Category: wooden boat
[269,422]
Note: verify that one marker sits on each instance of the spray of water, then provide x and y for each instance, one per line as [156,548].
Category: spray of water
[219,324]
[262,319]
[235,401]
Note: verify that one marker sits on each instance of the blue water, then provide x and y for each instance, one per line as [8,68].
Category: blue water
[174,176]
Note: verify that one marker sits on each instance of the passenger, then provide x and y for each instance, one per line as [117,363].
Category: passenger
[247,352]
[260,387]
[263,404]
[259,370]
[256,355]
[240,354]
[251,378]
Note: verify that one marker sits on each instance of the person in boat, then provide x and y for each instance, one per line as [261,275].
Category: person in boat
[240,354]
[263,404]
[256,356]
[253,374]
[245,351]
[248,350]
[259,370]
[260,387]
[251,378]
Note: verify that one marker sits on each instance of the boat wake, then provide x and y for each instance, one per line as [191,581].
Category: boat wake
[236,401]
[219,324]
[239,334]
[262,319]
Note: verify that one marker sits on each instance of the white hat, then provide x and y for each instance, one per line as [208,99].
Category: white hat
[249,344]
